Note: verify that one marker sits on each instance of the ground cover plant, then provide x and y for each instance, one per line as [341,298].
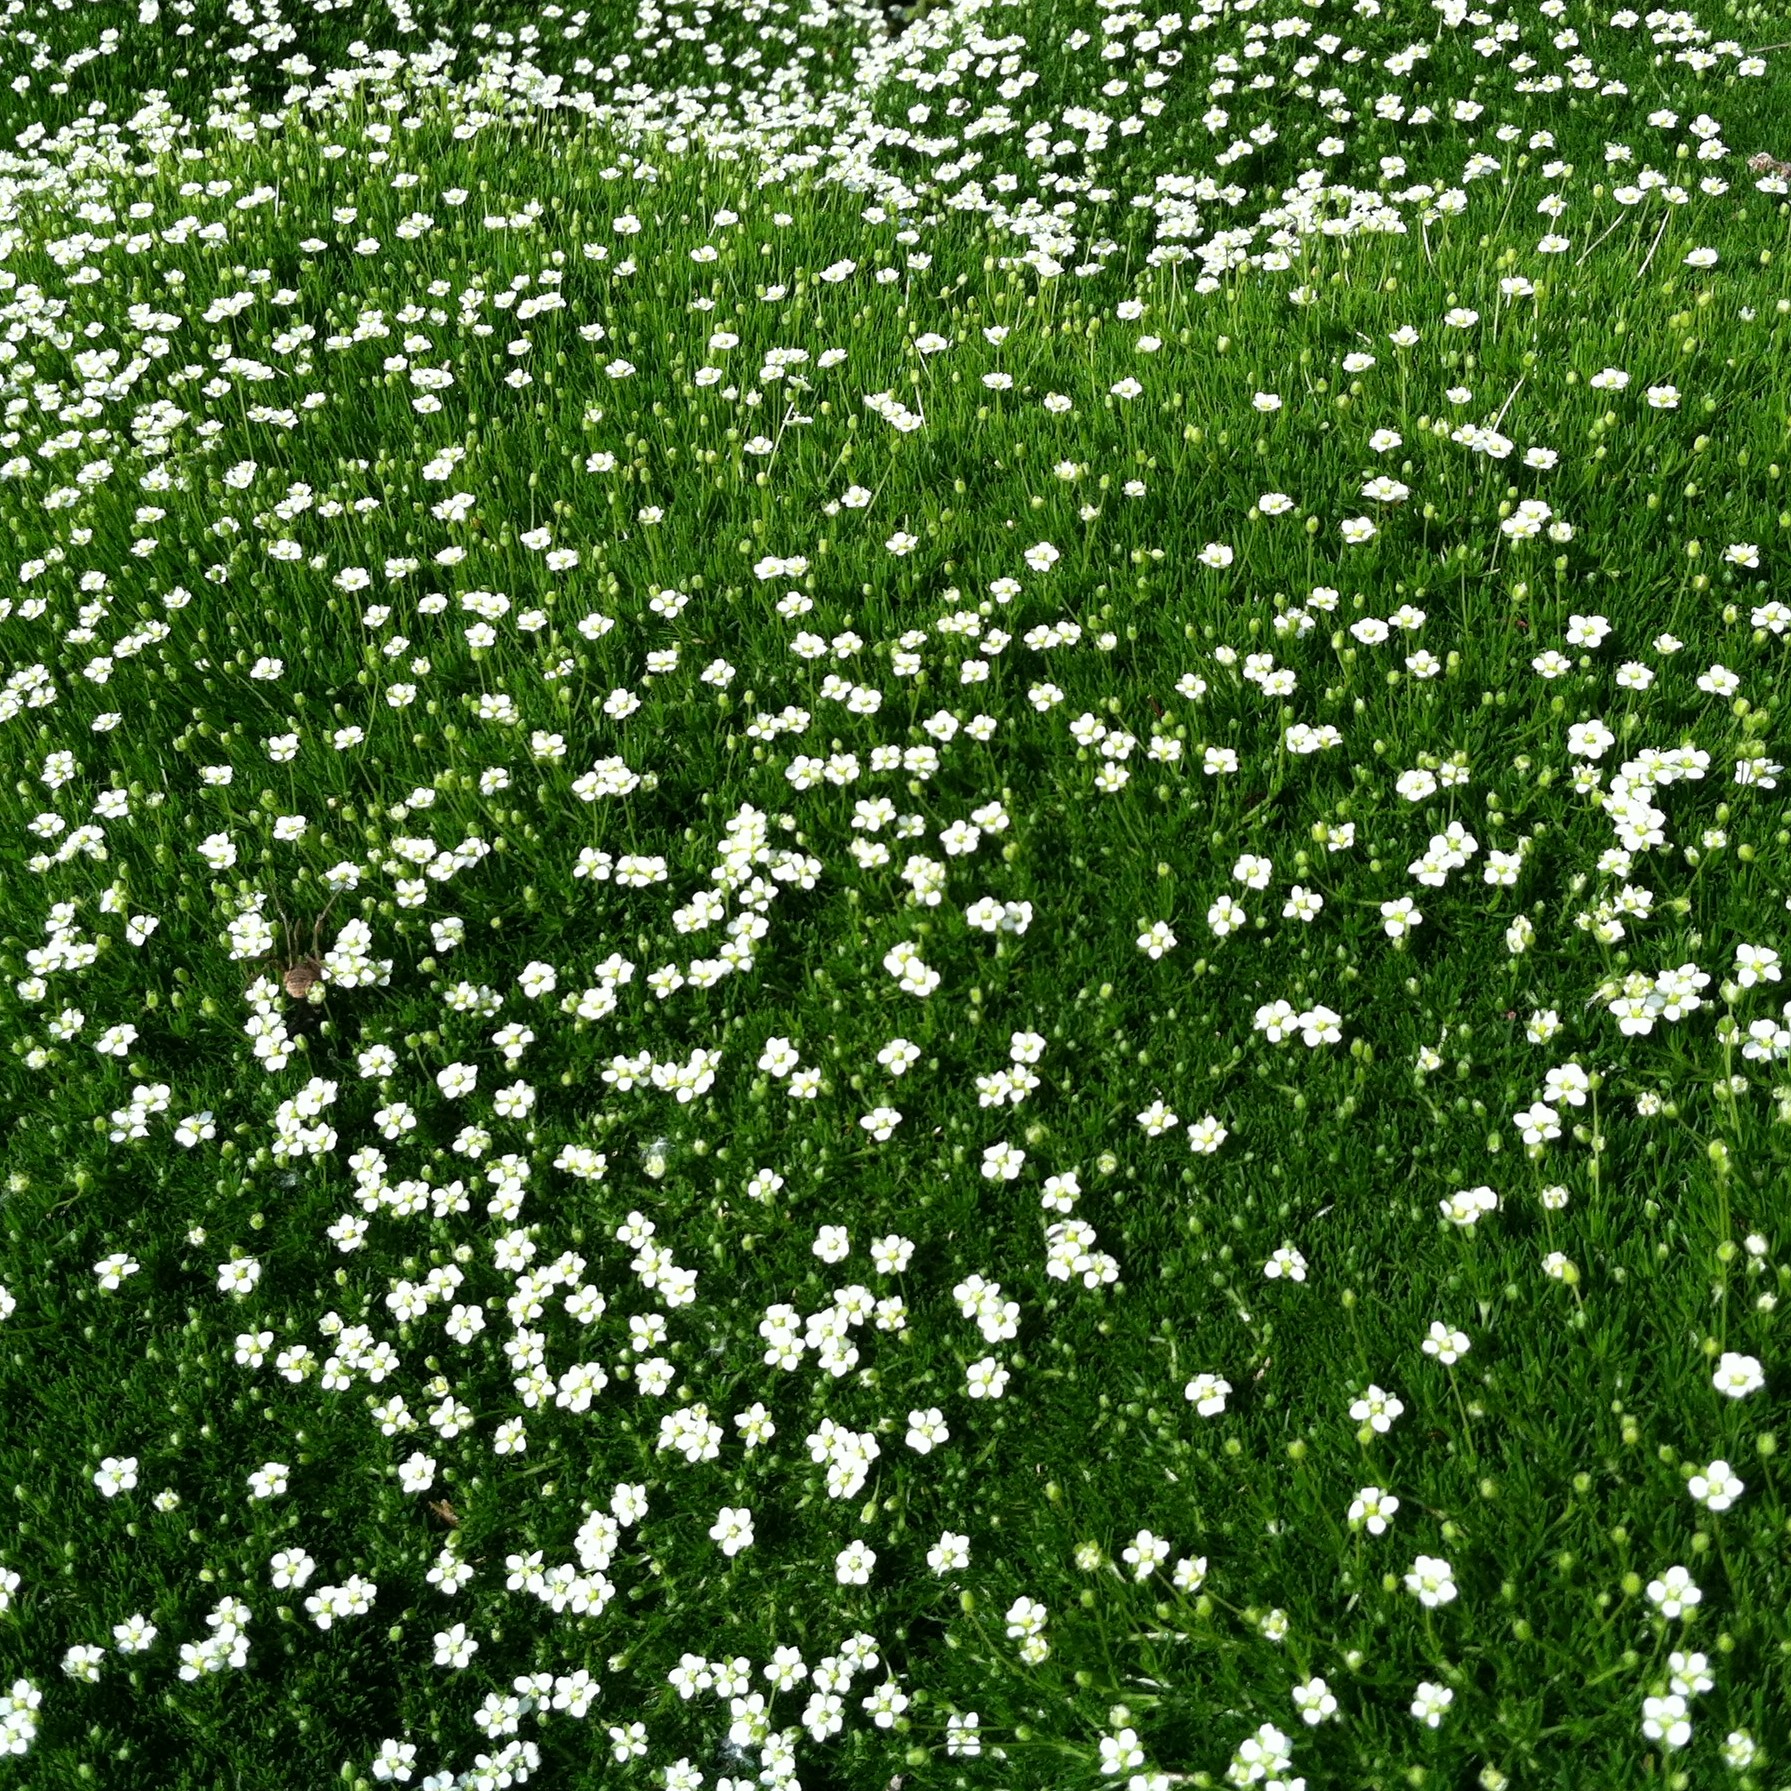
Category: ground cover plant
[894,901]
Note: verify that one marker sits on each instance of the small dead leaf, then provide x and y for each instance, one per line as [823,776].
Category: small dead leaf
[445,1512]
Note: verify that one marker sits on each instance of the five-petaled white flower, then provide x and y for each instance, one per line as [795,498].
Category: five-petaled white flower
[1207,1394]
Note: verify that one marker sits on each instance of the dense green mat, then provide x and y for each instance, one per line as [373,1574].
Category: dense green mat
[894,905]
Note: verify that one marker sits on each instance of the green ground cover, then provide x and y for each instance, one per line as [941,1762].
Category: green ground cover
[894,904]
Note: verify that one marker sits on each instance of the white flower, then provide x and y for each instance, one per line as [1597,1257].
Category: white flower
[852,1565]
[1206,1135]
[291,1570]
[1399,917]
[1377,1410]
[457,1079]
[393,1761]
[134,1635]
[1156,939]
[1430,1702]
[1738,1375]
[1664,1720]
[113,1269]
[1590,739]
[83,1662]
[239,1275]
[116,1474]
[1121,1752]
[1538,1124]
[1689,1673]
[1315,1701]
[1145,1554]
[417,1472]
[1740,1750]
[1717,1487]
[1754,963]
[926,1430]
[1225,916]
[1287,1263]
[961,1736]
[1372,1509]
[950,1554]
[732,1529]
[1002,1162]
[1674,1593]
[1266,1754]
[269,1480]
[1207,1394]
[1464,1209]
[1432,1580]
[986,1379]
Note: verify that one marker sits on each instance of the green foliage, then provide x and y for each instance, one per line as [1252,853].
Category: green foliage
[544,641]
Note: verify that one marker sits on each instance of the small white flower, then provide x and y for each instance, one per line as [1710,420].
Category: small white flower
[1674,1593]
[1205,1136]
[83,1662]
[269,1480]
[1717,1487]
[116,1474]
[1738,1375]
[417,1472]
[950,1554]
[1286,1264]
[1430,1702]
[1371,1510]
[732,1529]
[1145,1554]
[852,1565]
[1432,1580]
[1664,1720]
[239,1275]
[926,1430]
[1207,1394]
[986,1379]
[1377,1410]
[1315,1701]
